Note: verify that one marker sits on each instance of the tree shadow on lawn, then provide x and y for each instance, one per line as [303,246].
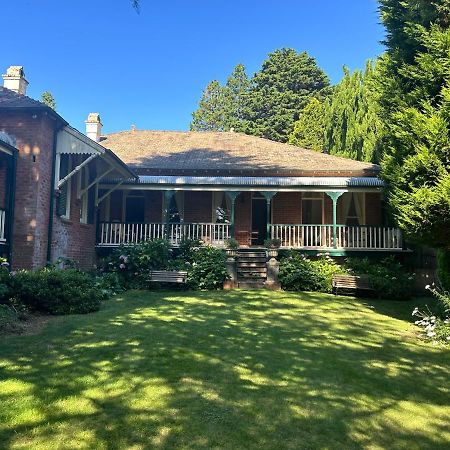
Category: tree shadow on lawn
[228,370]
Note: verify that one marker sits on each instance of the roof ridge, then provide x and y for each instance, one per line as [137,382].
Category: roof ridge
[23,96]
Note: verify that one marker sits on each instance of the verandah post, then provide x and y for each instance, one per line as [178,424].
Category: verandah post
[334,197]
[167,199]
[233,195]
[268,195]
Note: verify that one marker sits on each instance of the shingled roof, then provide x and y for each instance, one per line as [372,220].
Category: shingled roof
[173,152]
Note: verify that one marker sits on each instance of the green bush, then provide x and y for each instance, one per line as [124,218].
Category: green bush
[208,269]
[300,273]
[133,263]
[9,320]
[388,277]
[56,291]
[443,268]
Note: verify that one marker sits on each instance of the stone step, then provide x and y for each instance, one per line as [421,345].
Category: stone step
[252,270]
[251,284]
[251,264]
[251,254]
[252,259]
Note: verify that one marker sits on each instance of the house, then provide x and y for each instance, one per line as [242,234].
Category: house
[65,194]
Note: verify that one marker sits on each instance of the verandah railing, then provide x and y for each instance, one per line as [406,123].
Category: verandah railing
[347,237]
[114,234]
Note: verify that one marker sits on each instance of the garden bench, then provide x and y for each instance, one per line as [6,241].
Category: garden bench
[168,276]
[346,283]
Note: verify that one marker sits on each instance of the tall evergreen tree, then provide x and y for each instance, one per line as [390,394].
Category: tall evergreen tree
[414,84]
[347,122]
[309,129]
[48,99]
[211,112]
[280,90]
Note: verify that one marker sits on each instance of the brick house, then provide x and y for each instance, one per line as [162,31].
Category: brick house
[65,194]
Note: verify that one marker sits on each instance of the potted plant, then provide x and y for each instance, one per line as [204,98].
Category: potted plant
[272,246]
[231,246]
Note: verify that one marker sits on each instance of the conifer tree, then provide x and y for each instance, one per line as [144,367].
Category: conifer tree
[414,86]
[210,115]
[48,99]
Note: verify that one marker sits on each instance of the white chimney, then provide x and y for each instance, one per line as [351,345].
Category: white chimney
[93,127]
[14,79]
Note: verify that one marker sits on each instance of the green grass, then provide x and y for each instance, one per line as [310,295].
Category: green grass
[226,370]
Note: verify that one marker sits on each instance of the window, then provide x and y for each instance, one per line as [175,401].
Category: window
[83,181]
[353,208]
[221,207]
[63,204]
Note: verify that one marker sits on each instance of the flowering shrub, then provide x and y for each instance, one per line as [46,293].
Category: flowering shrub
[208,269]
[388,277]
[300,273]
[435,325]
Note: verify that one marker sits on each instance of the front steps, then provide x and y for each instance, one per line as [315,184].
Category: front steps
[251,268]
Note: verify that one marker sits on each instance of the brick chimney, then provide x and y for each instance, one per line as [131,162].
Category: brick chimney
[93,127]
[14,79]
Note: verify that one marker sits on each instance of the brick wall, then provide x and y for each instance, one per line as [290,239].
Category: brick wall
[243,218]
[71,238]
[34,133]
[197,207]
[287,207]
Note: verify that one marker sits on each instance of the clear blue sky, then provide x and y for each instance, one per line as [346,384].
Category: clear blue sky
[149,69]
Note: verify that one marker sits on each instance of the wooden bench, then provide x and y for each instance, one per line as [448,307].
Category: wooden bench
[351,284]
[168,276]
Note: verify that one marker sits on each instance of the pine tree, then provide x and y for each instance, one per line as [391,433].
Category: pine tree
[414,86]
[211,112]
[48,99]
[280,90]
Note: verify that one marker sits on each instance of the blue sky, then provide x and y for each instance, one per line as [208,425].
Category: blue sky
[149,69]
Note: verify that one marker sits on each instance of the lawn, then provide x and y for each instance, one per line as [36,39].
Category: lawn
[226,370]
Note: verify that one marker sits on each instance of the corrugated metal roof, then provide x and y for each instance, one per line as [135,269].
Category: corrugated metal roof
[262,181]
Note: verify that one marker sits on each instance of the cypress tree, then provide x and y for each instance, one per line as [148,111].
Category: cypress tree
[211,112]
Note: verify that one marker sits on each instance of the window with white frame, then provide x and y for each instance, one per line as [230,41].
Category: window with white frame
[63,205]
[83,183]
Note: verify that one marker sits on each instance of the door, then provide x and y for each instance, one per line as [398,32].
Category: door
[259,220]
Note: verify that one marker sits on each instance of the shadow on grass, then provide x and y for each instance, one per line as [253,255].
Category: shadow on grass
[228,370]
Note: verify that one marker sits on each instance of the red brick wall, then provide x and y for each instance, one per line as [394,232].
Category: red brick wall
[197,207]
[153,206]
[287,207]
[72,239]
[373,209]
[243,218]
[34,133]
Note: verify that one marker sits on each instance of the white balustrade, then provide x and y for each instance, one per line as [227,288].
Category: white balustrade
[114,234]
[347,237]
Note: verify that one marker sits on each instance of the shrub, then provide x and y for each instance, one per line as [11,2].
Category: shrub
[272,243]
[232,244]
[443,268]
[56,291]
[299,273]
[133,263]
[208,270]
[388,277]
[9,320]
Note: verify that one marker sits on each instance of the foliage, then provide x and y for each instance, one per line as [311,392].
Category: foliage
[269,103]
[346,123]
[436,322]
[133,263]
[300,273]
[272,243]
[388,277]
[309,129]
[48,99]
[9,319]
[208,270]
[414,94]
[443,268]
[232,244]
[55,291]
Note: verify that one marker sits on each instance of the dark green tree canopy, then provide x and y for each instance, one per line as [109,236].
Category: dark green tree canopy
[269,103]
[414,87]
[210,115]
